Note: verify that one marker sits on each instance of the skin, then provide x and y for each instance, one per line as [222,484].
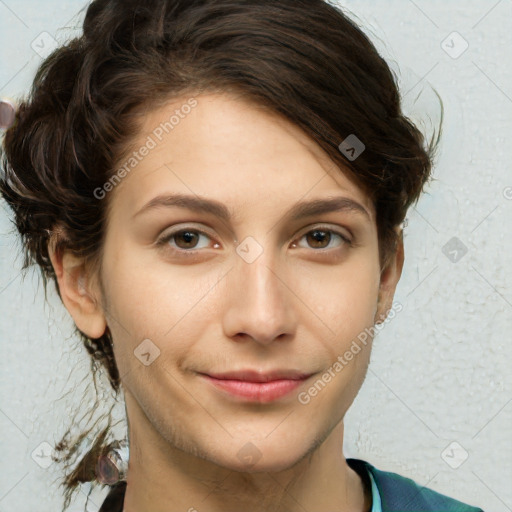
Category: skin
[299,305]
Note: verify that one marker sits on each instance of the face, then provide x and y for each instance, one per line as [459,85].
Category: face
[248,284]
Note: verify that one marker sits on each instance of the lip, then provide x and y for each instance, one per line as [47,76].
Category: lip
[259,377]
[264,389]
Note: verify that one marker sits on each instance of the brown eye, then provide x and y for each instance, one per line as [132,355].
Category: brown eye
[320,238]
[185,240]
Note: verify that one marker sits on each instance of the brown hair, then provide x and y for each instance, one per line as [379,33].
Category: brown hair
[303,59]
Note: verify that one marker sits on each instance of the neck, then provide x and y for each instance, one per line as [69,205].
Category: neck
[168,475]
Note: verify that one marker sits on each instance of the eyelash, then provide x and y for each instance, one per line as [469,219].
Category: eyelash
[163,241]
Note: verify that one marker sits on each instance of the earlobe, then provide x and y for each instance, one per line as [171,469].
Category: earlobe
[78,295]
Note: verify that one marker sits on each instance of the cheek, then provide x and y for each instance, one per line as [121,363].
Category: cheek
[145,296]
[343,299]
[164,305]
[347,305]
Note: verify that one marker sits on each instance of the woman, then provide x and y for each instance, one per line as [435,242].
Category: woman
[218,189]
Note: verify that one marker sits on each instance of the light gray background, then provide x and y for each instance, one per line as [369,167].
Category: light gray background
[440,371]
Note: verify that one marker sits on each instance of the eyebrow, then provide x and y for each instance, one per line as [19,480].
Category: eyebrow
[301,210]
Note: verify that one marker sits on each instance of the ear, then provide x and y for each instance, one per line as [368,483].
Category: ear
[389,278]
[79,294]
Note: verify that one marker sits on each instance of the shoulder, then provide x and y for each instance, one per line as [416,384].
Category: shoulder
[401,494]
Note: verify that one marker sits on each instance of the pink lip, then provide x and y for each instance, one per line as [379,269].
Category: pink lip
[256,391]
[258,376]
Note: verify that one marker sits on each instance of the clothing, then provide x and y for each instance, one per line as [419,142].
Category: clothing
[401,494]
[376,502]
[390,493]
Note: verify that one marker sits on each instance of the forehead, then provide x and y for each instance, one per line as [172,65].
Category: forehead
[232,150]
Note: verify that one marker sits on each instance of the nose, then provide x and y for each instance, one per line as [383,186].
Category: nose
[261,302]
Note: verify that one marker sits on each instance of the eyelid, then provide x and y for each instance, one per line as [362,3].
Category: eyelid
[186,226]
[164,238]
[327,227]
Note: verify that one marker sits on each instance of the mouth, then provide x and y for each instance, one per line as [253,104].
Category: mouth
[259,377]
[255,386]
